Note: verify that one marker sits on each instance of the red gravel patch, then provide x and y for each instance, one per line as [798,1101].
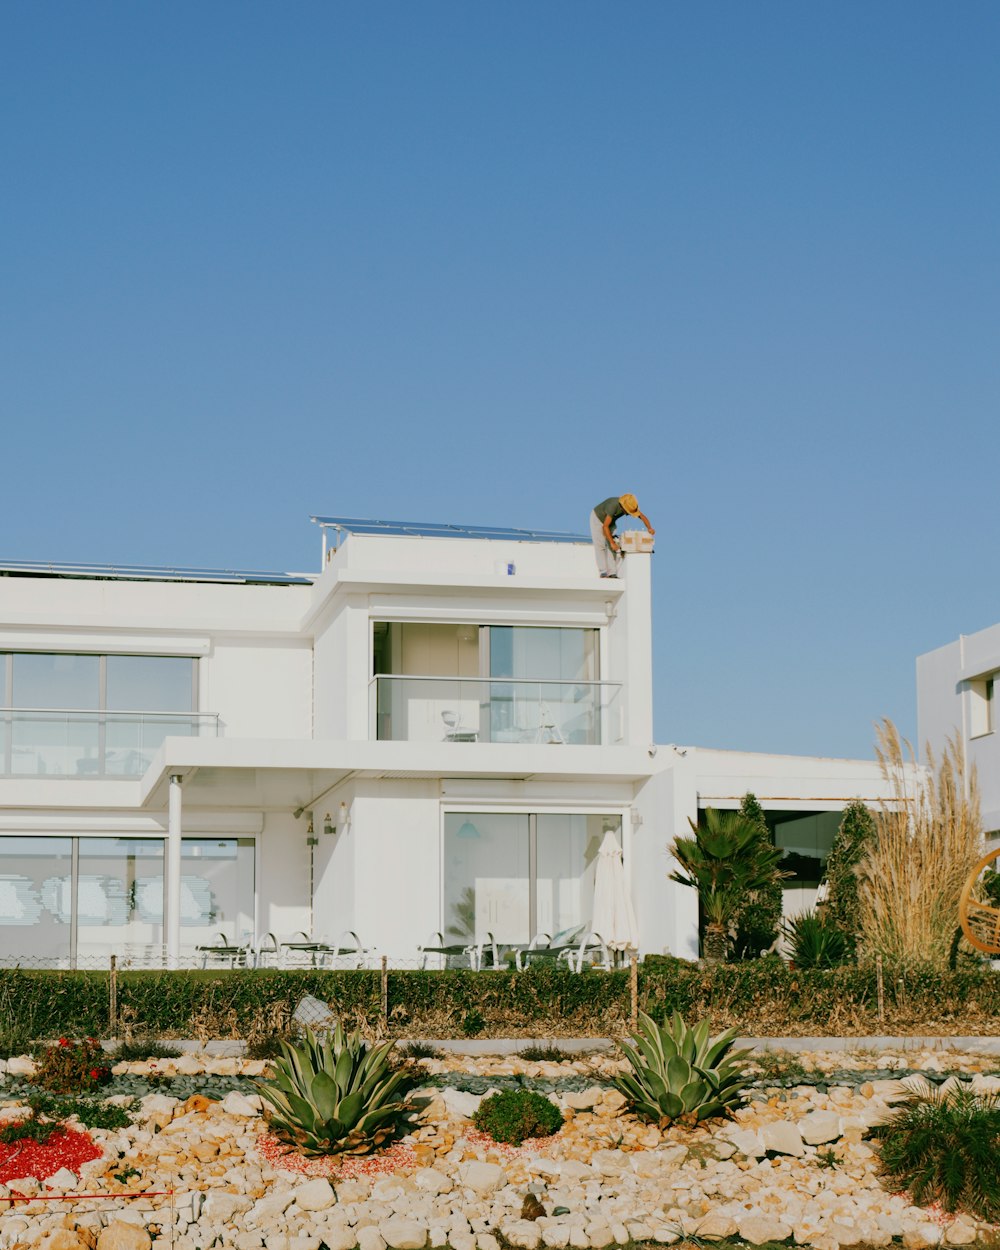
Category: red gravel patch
[400,1157]
[66,1148]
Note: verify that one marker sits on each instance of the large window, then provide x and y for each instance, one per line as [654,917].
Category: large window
[78,900]
[487,683]
[517,875]
[91,715]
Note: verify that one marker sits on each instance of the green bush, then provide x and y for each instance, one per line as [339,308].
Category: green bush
[70,1067]
[945,1148]
[514,1114]
[815,941]
[762,997]
[852,840]
[759,918]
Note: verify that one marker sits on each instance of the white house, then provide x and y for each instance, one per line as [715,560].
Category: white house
[432,733]
[955,699]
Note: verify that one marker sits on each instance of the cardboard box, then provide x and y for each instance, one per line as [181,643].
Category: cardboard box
[636,540]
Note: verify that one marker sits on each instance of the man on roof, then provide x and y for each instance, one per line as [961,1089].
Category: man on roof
[607,549]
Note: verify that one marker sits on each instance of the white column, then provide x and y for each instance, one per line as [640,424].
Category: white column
[172,902]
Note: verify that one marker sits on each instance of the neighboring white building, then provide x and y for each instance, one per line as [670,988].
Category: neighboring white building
[432,733]
[955,699]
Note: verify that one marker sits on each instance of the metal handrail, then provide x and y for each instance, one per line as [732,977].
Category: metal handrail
[108,712]
[506,681]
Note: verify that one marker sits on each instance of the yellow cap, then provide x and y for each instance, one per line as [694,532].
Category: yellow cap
[629,503]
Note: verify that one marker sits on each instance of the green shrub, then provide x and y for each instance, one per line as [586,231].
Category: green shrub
[945,1148]
[544,1054]
[29,1128]
[337,1097]
[91,1112]
[850,844]
[419,1050]
[680,1073]
[759,918]
[473,1023]
[136,1050]
[514,1114]
[815,941]
[73,1066]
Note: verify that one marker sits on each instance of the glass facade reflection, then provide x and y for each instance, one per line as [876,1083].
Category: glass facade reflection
[516,875]
[77,900]
[72,715]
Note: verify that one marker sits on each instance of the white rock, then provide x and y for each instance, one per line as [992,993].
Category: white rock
[339,1238]
[761,1228]
[64,1179]
[816,1128]
[432,1181]
[236,1104]
[220,1206]
[486,1241]
[921,1236]
[747,1142]
[556,1236]
[158,1105]
[783,1138]
[317,1195]
[522,1234]
[960,1233]
[484,1178]
[583,1100]
[21,1065]
[370,1239]
[459,1103]
[402,1234]
[715,1226]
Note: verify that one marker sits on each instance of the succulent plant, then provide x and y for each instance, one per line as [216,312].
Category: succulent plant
[339,1096]
[680,1073]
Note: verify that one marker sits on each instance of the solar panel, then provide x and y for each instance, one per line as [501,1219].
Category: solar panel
[425,529]
[137,572]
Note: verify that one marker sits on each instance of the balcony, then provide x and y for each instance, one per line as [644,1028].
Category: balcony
[53,742]
[480,709]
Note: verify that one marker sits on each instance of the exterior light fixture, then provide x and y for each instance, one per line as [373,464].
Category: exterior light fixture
[328,825]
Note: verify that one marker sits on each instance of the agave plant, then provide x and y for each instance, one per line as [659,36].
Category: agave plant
[338,1097]
[680,1073]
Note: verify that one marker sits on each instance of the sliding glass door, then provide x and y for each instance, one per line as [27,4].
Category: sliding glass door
[516,875]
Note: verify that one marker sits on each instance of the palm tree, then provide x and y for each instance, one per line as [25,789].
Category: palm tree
[724,861]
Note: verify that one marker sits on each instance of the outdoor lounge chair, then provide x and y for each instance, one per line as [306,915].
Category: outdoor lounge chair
[319,952]
[543,947]
[222,950]
[479,954]
[582,956]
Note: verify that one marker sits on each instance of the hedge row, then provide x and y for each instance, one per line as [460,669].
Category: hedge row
[761,998]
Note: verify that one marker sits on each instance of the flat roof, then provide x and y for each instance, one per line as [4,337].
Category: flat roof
[148,573]
[427,529]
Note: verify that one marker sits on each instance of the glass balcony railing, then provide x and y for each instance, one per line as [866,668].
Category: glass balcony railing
[498,709]
[64,743]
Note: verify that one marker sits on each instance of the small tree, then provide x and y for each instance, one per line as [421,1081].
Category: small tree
[760,918]
[724,861]
[854,839]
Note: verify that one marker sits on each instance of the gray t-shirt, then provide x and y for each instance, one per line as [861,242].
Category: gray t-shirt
[610,508]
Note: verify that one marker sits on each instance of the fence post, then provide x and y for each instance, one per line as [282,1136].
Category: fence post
[880,985]
[113,998]
[633,991]
[384,1021]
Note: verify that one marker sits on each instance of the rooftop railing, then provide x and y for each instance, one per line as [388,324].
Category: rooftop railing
[490,709]
[62,742]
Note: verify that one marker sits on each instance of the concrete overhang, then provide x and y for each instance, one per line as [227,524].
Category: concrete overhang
[275,774]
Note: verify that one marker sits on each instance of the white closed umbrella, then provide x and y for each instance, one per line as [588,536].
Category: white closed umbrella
[614,916]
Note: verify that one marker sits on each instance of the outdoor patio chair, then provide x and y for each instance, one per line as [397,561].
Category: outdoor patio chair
[318,952]
[582,956]
[543,947]
[478,954]
[222,950]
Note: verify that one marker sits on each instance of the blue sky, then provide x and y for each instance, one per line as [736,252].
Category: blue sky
[490,263]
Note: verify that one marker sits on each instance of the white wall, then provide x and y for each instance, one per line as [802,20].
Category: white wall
[949,684]
[261,687]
